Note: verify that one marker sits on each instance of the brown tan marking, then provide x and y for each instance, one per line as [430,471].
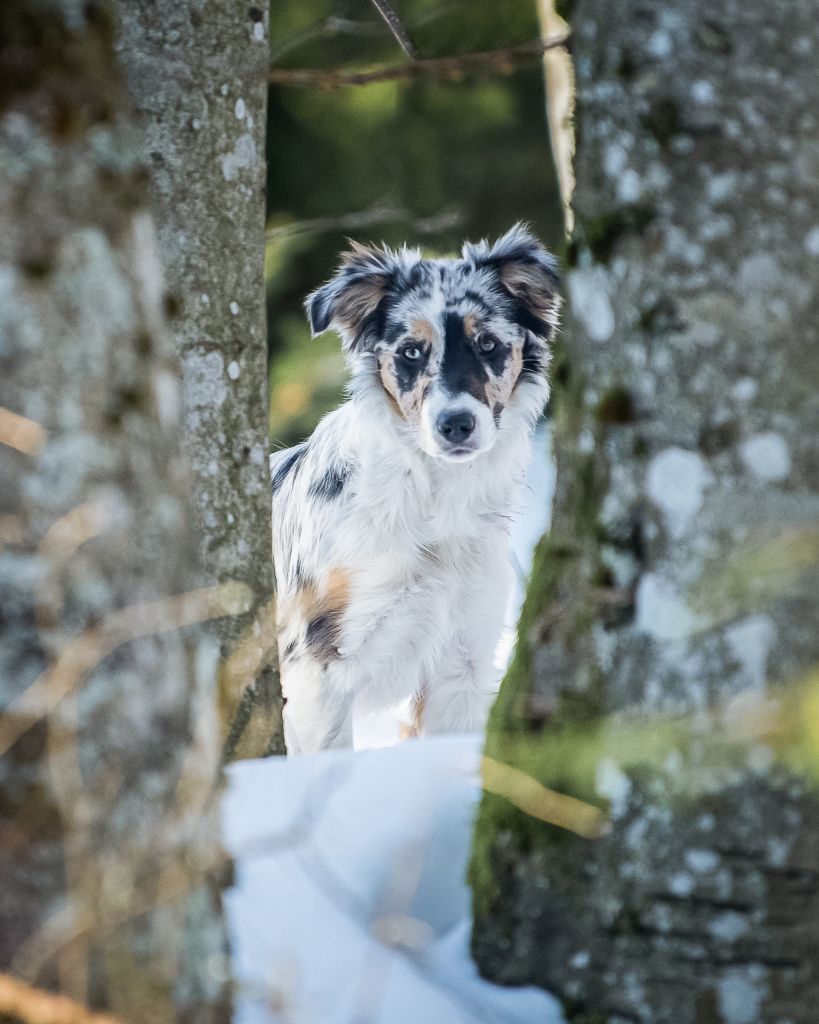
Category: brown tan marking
[529,284]
[405,404]
[423,330]
[499,389]
[324,604]
[410,730]
[360,299]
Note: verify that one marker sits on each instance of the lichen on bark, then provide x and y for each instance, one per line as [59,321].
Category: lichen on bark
[198,73]
[677,578]
[110,761]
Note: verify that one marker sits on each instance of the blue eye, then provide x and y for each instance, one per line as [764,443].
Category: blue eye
[486,343]
[411,352]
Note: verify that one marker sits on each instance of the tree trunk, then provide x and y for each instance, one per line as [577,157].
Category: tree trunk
[198,70]
[665,649]
[108,748]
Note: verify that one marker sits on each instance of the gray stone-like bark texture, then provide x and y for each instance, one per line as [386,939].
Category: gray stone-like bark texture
[110,754]
[198,71]
[677,590]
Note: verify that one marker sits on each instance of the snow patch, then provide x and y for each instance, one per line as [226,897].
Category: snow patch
[676,481]
[614,159]
[729,927]
[242,156]
[240,109]
[166,397]
[703,862]
[745,389]
[750,642]
[740,994]
[812,241]
[628,187]
[661,611]
[233,370]
[722,186]
[702,92]
[758,274]
[588,290]
[611,783]
[349,901]
[660,44]
[202,380]
[682,884]
[766,455]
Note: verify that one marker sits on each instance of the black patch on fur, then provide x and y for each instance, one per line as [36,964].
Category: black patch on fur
[319,308]
[372,327]
[331,484]
[525,318]
[300,577]
[289,464]
[479,300]
[392,333]
[532,358]
[497,359]
[407,372]
[321,636]
[289,650]
[461,368]
[419,279]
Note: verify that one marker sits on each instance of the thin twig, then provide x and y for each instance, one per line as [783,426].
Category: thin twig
[381,213]
[330,28]
[387,12]
[502,61]
[333,26]
[82,654]
[22,1002]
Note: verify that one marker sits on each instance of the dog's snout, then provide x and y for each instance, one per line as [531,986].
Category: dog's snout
[456,426]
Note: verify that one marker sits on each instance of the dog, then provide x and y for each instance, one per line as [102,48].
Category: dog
[391,522]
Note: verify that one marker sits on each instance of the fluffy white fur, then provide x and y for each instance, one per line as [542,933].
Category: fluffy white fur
[416,551]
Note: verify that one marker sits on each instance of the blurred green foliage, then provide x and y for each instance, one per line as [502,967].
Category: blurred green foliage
[426,162]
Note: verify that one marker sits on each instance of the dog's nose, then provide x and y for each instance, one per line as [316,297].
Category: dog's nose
[456,426]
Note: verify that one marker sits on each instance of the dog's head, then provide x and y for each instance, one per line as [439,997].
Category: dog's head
[452,340]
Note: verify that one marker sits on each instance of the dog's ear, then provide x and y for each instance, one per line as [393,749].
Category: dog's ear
[527,272]
[351,301]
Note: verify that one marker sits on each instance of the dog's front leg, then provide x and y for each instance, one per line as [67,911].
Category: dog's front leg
[461,687]
[459,696]
[318,715]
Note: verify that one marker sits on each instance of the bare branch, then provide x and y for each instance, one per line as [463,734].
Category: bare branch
[22,1002]
[381,213]
[387,12]
[502,61]
[330,28]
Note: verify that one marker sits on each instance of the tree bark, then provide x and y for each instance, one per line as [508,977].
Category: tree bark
[198,71]
[665,649]
[108,748]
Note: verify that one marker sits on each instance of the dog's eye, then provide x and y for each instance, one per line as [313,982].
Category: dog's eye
[411,352]
[486,343]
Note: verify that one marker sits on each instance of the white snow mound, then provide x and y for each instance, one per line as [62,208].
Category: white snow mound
[350,903]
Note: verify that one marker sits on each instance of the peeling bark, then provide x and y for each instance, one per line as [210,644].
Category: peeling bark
[679,577]
[198,71]
[108,837]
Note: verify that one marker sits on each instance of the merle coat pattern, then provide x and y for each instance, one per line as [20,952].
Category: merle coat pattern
[390,524]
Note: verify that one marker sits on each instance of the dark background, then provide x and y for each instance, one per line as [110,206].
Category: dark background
[426,162]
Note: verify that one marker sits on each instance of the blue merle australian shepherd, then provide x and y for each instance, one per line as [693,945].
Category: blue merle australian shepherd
[390,524]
